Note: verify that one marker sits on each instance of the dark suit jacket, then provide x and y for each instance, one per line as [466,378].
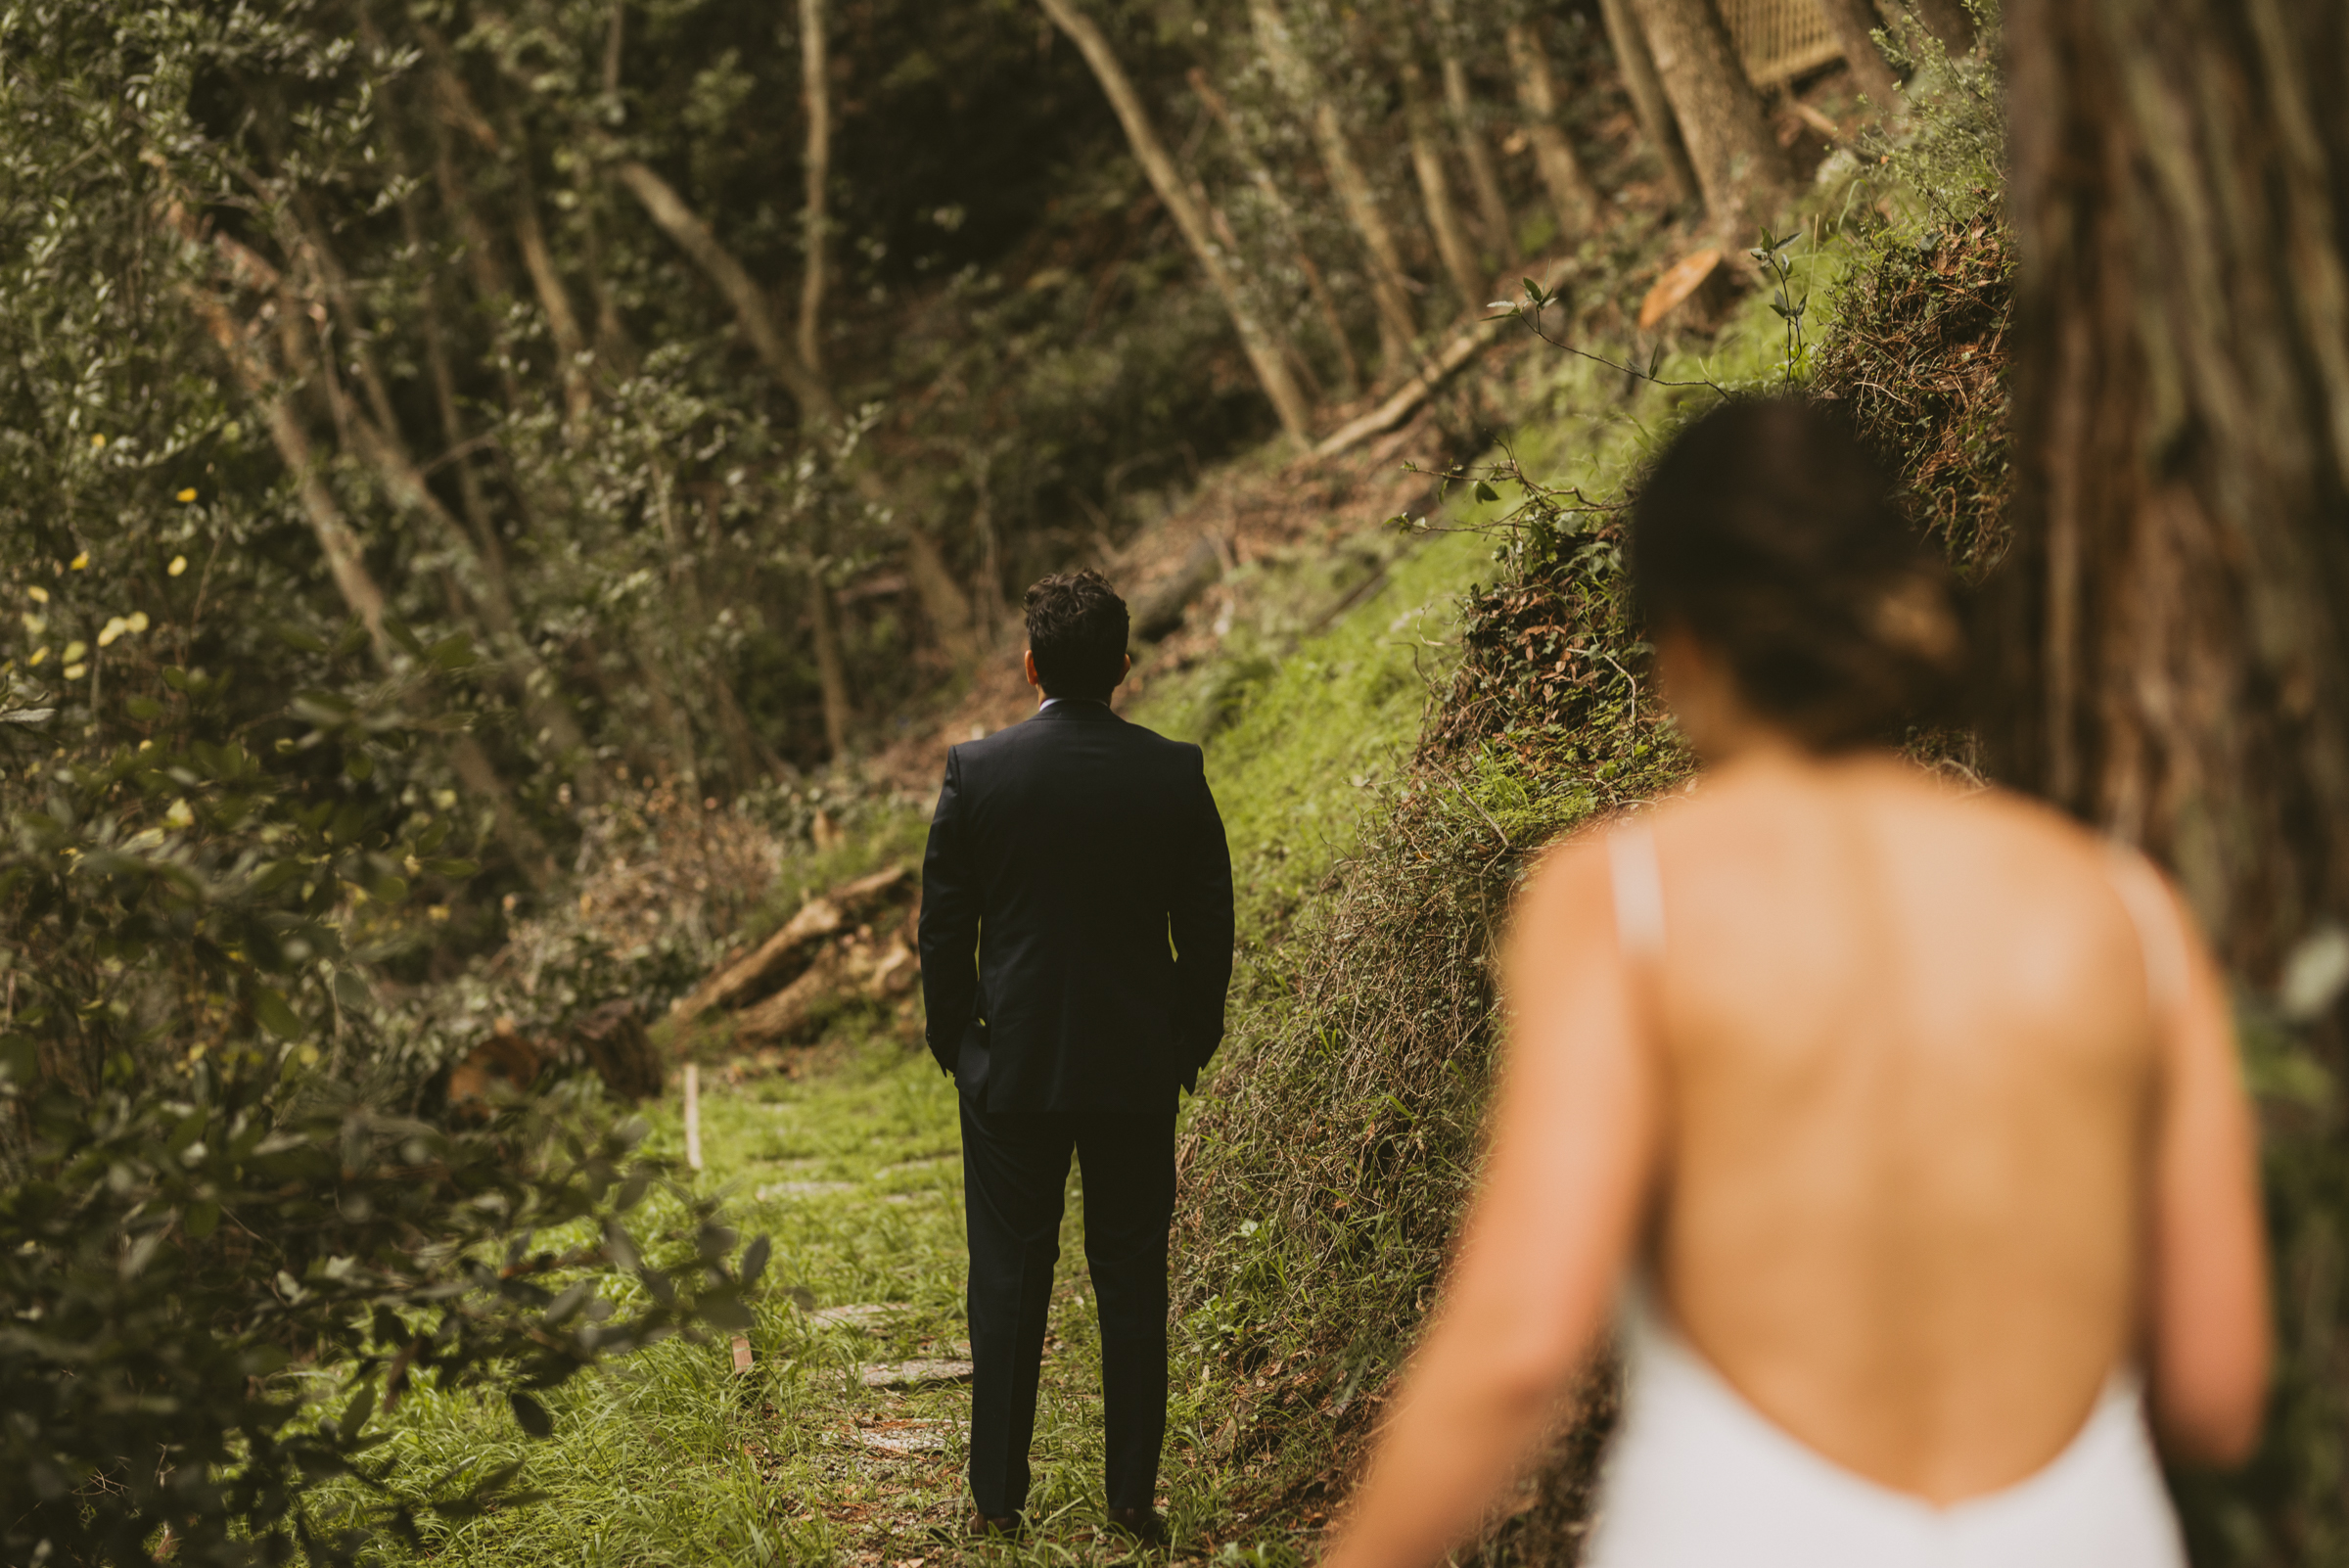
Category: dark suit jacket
[1065,855]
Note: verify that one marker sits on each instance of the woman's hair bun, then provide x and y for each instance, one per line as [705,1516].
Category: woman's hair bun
[1767,532]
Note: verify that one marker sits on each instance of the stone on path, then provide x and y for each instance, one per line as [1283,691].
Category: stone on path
[906,1437]
[913,1374]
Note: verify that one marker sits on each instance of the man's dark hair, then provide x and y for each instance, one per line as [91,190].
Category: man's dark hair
[1770,535]
[1076,628]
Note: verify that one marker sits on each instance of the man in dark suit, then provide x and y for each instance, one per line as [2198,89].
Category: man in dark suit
[1076,932]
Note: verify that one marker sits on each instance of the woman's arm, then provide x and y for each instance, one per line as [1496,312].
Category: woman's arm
[2211,1334]
[1573,1137]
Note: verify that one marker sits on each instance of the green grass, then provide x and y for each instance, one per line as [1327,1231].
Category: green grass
[667,1456]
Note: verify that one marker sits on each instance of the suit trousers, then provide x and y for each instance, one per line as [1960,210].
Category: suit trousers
[1015,1169]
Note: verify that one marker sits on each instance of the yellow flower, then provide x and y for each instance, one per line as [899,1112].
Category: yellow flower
[186,495]
[438,911]
[38,655]
[37,594]
[179,564]
[74,651]
[113,628]
[76,671]
[179,816]
[136,620]
[96,442]
[81,562]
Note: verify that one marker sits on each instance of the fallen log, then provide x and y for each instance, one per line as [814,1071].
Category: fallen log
[858,969]
[788,951]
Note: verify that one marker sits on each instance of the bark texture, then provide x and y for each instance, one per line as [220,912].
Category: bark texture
[1647,90]
[1948,20]
[1738,162]
[2175,629]
[1264,350]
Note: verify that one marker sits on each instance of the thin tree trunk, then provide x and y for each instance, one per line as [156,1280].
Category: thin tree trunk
[1264,350]
[830,669]
[1389,288]
[947,606]
[1738,162]
[1571,192]
[1326,302]
[694,237]
[815,88]
[562,322]
[1482,177]
[1854,23]
[1646,89]
[1435,190]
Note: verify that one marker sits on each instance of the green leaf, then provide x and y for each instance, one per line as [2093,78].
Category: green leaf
[200,1219]
[143,708]
[270,1009]
[1486,492]
[454,870]
[361,1408]
[293,637]
[454,652]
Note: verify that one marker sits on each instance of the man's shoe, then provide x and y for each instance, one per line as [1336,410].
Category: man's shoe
[981,1527]
[1143,1523]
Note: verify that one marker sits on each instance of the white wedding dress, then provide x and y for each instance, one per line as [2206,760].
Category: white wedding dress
[1698,1478]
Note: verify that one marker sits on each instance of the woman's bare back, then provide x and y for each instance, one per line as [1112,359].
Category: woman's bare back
[1909,1077]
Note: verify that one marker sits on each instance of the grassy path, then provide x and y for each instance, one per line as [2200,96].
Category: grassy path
[668,1456]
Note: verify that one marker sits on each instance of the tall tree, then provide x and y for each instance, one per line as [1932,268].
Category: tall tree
[1435,189]
[1459,103]
[1264,351]
[2182,560]
[1738,162]
[1389,288]
[1571,192]
[815,93]
[2173,641]
[1646,89]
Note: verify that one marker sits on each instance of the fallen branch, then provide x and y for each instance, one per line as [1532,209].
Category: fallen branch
[1465,344]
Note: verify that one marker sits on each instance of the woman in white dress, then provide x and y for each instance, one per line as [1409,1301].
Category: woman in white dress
[1898,1126]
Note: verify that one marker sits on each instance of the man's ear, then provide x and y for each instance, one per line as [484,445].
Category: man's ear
[1028,664]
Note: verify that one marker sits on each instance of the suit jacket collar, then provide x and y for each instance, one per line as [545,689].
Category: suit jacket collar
[1079,709]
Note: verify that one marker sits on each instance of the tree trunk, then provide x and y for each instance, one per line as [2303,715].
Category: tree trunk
[695,238]
[815,88]
[1333,321]
[571,343]
[1571,193]
[1264,350]
[1459,104]
[1854,23]
[2170,646]
[944,603]
[2178,646]
[1739,164]
[1389,291]
[831,672]
[1647,90]
[1947,20]
[1435,190]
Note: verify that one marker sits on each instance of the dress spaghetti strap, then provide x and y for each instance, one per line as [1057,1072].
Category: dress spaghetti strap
[2160,942]
[1638,884]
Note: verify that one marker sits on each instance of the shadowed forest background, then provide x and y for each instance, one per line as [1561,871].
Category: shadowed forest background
[506,506]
